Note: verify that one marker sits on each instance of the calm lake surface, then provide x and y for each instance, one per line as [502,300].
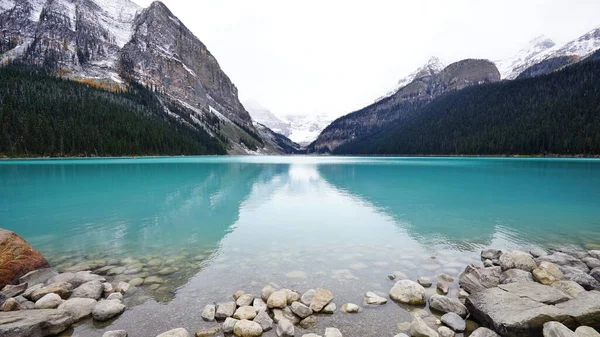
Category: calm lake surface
[214,225]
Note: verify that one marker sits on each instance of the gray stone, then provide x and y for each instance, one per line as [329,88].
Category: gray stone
[408,292]
[418,328]
[537,252]
[425,281]
[245,312]
[267,291]
[34,323]
[587,281]
[27,293]
[208,332]
[445,332]
[586,331]
[11,304]
[259,305]
[591,262]
[62,289]
[115,296]
[446,304]
[594,253]
[136,282]
[92,290]
[263,319]
[123,287]
[62,277]
[332,332]
[292,296]
[237,295]
[229,324]
[570,288]
[372,298]
[442,288]
[454,321]
[350,308]
[474,279]
[446,278]
[285,328]
[311,335]
[397,275]
[85,276]
[515,275]
[38,276]
[307,297]
[490,254]
[244,300]
[208,313]
[175,333]
[246,328]
[329,308]
[517,259]
[556,329]
[488,263]
[48,301]
[564,260]
[301,310]
[107,309]
[285,313]
[78,307]
[115,333]
[308,322]
[25,303]
[484,332]
[278,299]
[573,251]
[535,291]
[225,309]
[321,298]
[513,315]
[595,273]
[14,290]
[154,280]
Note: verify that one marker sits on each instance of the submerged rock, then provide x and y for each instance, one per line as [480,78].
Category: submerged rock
[372,298]
[329,308]
[397,275]
[425,281]
[350,308]
[332,332]
[454,321]
[418,328]
[442,288]
[175,333]
[408,292]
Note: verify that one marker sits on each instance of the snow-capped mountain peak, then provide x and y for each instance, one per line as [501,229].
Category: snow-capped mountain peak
[582,46]
[535,51]
[433,66]
[264,116]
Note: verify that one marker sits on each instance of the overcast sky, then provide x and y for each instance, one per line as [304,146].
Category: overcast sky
[336,56]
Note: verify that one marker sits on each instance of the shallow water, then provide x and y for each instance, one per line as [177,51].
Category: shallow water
[215,225]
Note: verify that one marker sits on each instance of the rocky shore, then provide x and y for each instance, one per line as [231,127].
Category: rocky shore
[513,293]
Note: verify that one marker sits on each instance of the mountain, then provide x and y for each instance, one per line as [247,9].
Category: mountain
[552,114]
[301,129]
[281,142]
[432,67]
[265,117]
[536,50]
[542,56]
[419,92]
[112,43]
[304,129]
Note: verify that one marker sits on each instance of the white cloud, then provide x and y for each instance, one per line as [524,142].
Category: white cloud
[336,56]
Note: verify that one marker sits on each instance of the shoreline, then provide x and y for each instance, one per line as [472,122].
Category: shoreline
[498,156]
[556,284]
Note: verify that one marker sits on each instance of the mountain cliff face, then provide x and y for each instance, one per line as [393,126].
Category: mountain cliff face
[423,88]
[108,43]
[432,67]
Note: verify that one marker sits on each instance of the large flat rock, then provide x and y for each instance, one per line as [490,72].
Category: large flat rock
[513,315]
[535,291]
[34,323]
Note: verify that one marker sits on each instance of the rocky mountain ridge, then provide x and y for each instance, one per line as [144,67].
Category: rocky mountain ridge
[107,43]
[421,90]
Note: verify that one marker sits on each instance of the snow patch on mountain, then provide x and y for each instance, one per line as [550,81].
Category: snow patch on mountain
[432,67]
[535,51]
[582,46]
[118,16]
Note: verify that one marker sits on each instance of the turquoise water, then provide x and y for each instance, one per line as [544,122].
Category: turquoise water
[229,223]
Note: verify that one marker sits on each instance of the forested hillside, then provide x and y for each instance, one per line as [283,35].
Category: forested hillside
[558,113]
[42,115]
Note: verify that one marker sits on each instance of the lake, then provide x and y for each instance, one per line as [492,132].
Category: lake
[214,225]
